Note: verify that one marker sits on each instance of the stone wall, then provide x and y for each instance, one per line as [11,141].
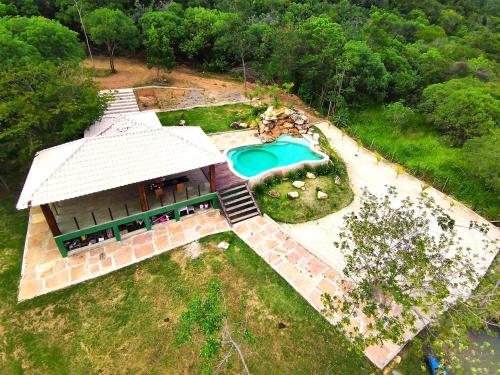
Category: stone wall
[275,122]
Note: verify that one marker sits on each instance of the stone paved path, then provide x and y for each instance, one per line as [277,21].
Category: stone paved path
[307,274]
[318,236]
[45,270]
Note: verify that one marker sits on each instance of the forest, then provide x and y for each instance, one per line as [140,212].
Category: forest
[420,66]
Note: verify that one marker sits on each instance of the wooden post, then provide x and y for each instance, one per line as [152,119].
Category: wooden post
[51,220]
[143,198]
[213,182]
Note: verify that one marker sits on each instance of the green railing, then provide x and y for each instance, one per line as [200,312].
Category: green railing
[145,216]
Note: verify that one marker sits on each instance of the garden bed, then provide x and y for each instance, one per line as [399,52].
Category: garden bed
[272,194]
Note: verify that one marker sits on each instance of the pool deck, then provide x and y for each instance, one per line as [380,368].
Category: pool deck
[224,177]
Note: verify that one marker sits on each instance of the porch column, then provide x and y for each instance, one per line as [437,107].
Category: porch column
[213,182]
[51,220]
[143,198]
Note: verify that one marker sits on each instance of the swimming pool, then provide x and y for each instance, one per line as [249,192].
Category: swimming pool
[254,160]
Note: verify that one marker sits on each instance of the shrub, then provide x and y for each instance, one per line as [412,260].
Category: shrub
[323,169]
[398,113]
[259,189]
[293,175]
[301,174]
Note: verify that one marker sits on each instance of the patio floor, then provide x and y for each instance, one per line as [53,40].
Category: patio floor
[119,200]
[45,270]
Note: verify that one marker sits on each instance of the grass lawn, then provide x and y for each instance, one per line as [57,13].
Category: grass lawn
[125,322]
[423,153]
[307,207]
[211,119]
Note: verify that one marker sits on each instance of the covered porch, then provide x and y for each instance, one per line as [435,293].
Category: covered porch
[93,220]
[105,188]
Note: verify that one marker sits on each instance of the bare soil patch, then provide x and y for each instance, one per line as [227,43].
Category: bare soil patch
[133,72]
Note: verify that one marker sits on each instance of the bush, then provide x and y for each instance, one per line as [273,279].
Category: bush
[293,175]
[259,189]
[398,113]
[324,169]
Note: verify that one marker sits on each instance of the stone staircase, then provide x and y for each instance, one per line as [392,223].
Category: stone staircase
[238,203]
[123,101]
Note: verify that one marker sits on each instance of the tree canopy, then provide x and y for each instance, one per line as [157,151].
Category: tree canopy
[112,29]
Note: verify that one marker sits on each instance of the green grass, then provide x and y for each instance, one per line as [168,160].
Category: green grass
[211,119]
[307,207]
[126,321]
[422,151]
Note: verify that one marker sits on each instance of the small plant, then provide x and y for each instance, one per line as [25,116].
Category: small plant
[323,169]
[206,318]
[259,189]
[293,175]
[301,174]
[378,157]
[399,170]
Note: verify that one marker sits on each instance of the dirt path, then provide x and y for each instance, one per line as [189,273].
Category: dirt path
[134,72]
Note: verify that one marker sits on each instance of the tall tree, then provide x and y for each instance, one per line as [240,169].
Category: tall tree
[41,106]
[159,53]
[52,40]
[113,29]
[405,266]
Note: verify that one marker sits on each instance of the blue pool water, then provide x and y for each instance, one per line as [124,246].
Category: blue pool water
[249,161]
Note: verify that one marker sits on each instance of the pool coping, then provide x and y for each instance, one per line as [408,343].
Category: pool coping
[283,170]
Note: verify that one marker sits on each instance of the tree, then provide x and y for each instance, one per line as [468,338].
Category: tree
[404,265]
[483,154]
[206,319]
[159,53]
[41,106]
[168,21]
[461,108]
[113,29]
[398,113]
[52,40]
[15,52]
[366,76]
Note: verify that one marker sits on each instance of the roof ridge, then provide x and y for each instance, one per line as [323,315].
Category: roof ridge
[83,142]
[187,140]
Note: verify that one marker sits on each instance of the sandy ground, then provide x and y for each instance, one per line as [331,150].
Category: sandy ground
[134,72]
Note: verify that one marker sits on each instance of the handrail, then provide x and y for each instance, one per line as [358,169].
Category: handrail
[145,216]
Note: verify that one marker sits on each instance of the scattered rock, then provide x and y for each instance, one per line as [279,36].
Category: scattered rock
[298,184]
[281,325]
[337,180]
[193,250]
[292,195]
[223,245]
[310,175]
[182,123]
[243,125]
[274,194]
[316,136]
[322,195]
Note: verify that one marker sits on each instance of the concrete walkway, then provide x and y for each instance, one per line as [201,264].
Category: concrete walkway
[318,236]
[307,274]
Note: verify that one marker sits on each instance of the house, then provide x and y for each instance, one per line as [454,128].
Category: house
[125,175]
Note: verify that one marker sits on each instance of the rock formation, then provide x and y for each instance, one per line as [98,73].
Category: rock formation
[275,122]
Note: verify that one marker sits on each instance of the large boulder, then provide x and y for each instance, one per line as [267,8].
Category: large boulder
[321,195]
[292,195]
[298,184]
